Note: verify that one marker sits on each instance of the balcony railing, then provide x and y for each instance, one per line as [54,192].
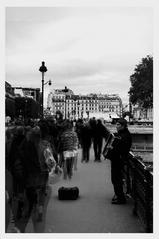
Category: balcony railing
[138,177]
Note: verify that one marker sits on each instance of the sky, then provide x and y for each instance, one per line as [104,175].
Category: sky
[88,49]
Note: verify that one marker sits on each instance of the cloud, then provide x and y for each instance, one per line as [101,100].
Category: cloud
[87,49]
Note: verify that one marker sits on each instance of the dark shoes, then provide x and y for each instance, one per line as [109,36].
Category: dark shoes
[97,160]
[40,217]
[118,201]
[114,197]
[40,210]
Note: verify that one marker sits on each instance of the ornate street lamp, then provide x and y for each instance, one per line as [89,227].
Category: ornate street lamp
[43,69]
[65,90]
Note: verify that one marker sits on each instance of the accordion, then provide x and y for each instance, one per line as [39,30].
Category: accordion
[112,141]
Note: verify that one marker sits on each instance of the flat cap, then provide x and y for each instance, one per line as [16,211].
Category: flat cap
[122,122]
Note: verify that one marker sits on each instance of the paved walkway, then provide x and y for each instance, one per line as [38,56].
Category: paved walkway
[93,211]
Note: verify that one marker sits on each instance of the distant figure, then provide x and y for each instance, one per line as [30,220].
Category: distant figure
[118,156]
[101,133]
[85,141]
[79,125]
[98,131]
[59,120]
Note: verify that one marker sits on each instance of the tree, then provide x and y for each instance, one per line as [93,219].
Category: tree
[141,90]
[27,107]
[9,107]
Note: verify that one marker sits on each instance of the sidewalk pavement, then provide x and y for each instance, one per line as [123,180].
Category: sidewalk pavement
[92,212]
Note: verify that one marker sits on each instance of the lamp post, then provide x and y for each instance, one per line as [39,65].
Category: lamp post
[65,90]
[43,69]
[65,106]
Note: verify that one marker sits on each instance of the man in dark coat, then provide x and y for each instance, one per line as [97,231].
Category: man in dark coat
[93,125]
[79,125]
[85,141]
[100,133]
[118,156]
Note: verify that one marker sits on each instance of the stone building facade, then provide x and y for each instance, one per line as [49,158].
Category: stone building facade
[80,106]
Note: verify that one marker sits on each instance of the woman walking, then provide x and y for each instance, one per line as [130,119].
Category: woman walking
[67,144]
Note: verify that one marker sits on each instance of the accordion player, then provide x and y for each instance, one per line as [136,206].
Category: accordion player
[112,140]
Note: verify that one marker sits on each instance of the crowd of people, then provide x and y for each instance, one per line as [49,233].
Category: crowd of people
[32,151]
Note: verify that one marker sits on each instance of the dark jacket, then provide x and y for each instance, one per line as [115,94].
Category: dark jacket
[122,146]
[86,135]
[68,141]
[35,172]
[101,130]
[14,160]
[79,125]
[30,159]
[93,126]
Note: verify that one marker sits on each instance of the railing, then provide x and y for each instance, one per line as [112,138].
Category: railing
[142,123]
[139,185]
[142,148]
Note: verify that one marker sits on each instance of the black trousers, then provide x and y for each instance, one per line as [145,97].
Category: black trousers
[117,177]
[97,146]
[85,153]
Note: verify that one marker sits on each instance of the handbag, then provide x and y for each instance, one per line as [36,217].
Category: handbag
[68,193]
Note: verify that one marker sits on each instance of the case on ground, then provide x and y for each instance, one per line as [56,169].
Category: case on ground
[68,193]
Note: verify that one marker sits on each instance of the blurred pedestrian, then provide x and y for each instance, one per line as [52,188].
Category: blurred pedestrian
[8,179]
[47,161]
[101,132]
[93,126]
[53,138]
[31,171]
[15,170]
[67,144]
[36,171]
[79,125]
[85,141]
[14,161]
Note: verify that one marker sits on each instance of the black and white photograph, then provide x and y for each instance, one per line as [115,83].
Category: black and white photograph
[79,117]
